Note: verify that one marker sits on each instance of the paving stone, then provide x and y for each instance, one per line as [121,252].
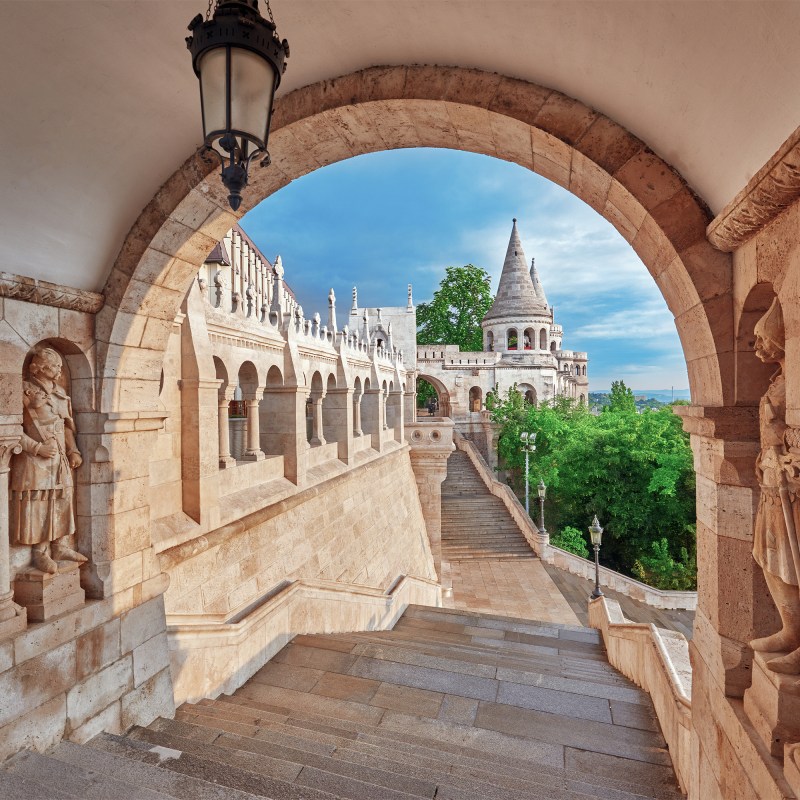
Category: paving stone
[634,716]
[111,757]
[424,678]
[404,698]
[554,702]
[290,676]
[571,732]
[346,687]
[18,786]
[586,688]
[78,781]
[458,710]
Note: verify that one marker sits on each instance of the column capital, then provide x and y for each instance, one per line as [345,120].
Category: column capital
[9,445]
[737,423]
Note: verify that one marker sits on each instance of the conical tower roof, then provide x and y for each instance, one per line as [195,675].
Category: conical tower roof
[516,295]
[537,284]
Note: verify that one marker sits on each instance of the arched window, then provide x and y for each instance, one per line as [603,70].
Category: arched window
[543,339]
[489,341]
[529,340]
[475,398]
[511,339]
[530,397]
[552,347]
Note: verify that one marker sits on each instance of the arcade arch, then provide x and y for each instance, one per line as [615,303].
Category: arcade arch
[554,135]
[442,395]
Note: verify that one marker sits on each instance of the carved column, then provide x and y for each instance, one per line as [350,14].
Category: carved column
[357,414]
[317,432]
[13,618]
[431,445]
[225,457]
[734,605]
[253,451]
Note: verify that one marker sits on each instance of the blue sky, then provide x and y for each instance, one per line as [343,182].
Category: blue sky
[384,220]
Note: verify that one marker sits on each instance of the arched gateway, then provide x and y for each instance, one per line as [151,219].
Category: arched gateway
[392,107]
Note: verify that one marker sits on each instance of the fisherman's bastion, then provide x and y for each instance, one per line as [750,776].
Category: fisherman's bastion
[235,561]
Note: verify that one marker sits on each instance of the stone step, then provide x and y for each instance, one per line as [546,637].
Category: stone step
[478,780]
[586,768]
[78,781]
[315,777]
[120,758]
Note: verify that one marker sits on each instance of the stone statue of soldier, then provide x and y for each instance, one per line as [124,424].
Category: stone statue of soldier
[42,485]
[775,544]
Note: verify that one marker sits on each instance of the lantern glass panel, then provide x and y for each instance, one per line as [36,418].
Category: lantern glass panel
[596,534]
[212,90]
[252,87]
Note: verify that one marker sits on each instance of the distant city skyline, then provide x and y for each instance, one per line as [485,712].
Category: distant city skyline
[384,220]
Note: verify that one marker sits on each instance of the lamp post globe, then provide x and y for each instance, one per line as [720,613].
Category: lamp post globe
[542,491]
[239,60]
[528,445]
[596,536]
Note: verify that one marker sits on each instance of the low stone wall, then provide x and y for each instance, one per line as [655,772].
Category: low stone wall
[569,562]
[616,581]
[101,667]
[211,658]
[658,662]
[341,544]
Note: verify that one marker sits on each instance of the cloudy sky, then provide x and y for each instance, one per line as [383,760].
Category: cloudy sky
[384,220]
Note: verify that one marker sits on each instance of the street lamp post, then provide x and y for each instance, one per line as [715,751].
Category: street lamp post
[542,490]
[596,534]
[528,445]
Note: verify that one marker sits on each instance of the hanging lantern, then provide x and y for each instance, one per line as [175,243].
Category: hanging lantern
[239,60]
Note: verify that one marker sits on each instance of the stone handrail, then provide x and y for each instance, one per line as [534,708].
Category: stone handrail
[657,661]
[540,543]
[200,643]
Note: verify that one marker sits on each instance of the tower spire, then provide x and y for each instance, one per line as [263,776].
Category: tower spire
[516,295]
[537,284]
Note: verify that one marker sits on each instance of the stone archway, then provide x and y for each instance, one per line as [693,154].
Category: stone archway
[442,394]
[392,107]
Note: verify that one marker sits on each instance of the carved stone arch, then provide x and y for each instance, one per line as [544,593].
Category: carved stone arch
[533,126]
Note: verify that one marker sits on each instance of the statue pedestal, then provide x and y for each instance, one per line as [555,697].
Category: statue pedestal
[13,618]
[45,595]
[772,703]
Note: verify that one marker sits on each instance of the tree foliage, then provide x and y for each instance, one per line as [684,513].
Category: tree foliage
[458,306]
[634,470]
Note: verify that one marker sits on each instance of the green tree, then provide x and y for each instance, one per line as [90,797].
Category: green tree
[571,540]
[634,470]
[621,397]
[458,306]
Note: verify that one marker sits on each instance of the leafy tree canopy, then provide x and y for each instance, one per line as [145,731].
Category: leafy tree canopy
[634,470]
[458,306]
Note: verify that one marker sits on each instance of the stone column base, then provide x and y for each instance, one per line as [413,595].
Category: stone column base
[13,618]
[45,595]
[258,455]
[227,462]
[772,703]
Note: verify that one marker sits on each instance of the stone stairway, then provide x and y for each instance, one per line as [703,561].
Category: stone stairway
[448,705]
[475,523]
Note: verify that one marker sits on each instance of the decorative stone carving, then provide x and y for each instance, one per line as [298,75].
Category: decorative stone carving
[771,191]
[773,700]
[42,486]
[45,293]
[776,548]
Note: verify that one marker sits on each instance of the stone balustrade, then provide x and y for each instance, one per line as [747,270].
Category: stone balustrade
[657,661]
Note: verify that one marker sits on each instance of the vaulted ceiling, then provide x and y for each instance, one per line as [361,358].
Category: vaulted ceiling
[100,104]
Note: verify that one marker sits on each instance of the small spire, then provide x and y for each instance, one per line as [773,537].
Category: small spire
[354,307]
[537,284]
[331,310]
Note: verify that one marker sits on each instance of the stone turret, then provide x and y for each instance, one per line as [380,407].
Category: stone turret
[519,318]
[516,294]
